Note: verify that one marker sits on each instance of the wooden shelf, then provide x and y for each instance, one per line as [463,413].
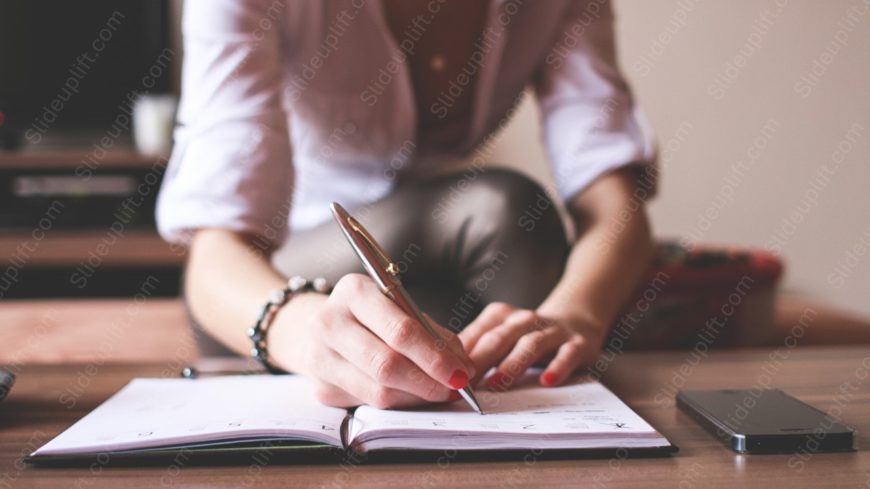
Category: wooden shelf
[70,248]
[62,248]
[71,158]
[76,330]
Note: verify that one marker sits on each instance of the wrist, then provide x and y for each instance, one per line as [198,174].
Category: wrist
[287,336]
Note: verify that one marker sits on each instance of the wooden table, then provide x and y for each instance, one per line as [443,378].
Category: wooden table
[47,399]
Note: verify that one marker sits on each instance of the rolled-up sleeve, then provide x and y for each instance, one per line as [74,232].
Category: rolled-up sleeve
[590,122]
[231,164]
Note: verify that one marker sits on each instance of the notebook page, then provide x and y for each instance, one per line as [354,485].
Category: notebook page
[159,412]
[584,408]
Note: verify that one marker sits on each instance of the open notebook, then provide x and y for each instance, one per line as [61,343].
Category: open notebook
[183,414]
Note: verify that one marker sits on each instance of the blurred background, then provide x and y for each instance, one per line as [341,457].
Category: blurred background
[762,115]
[760,109]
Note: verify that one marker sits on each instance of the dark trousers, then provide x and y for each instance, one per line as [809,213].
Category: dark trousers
[460,242]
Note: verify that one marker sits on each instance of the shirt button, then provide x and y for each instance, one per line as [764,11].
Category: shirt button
[348,127]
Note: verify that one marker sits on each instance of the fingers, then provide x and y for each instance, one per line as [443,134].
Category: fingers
[569,358]
[368,353]
[515,339]
[452,342]
[527,351]
[402,333]
[498,341]
[492,315]
[349,386]
[377,354]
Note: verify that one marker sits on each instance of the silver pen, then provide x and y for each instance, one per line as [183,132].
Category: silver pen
[385,273]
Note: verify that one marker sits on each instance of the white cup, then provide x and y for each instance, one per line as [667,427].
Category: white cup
[153,122]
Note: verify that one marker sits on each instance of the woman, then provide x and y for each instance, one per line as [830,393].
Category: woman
[376,104]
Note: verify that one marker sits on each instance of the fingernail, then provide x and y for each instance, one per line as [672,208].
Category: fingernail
[496,381]
[549,378]
[454,396]
[459,380]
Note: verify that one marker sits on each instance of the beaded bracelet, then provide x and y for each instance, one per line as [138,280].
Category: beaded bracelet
[257,333]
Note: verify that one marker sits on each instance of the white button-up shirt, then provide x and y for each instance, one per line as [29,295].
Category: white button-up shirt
[288,106]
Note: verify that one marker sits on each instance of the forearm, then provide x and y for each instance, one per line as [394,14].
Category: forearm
[227,283]
[609,258]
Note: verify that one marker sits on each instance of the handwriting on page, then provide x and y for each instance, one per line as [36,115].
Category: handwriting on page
[582,407]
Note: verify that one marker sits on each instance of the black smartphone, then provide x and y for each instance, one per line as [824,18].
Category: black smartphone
[765,421]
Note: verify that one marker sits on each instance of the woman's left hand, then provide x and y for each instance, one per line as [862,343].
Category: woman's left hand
[513,339]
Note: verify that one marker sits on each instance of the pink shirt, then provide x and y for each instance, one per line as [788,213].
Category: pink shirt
[288,107]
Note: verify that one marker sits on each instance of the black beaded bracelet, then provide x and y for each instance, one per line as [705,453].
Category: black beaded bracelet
[257,333]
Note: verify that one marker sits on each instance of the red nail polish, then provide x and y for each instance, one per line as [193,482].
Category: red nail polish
[459,380]
[454,396]
[496,381]
[549,378]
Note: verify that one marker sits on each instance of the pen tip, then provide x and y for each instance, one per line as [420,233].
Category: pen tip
[468,395]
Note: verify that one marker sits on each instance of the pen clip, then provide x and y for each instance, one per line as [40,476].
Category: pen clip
[388,264]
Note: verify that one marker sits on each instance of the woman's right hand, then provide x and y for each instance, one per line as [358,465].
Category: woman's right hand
[360,348]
